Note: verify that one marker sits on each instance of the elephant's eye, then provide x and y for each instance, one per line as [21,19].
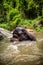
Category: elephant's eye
[23,30]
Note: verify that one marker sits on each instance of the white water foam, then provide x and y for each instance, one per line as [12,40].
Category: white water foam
[13,48]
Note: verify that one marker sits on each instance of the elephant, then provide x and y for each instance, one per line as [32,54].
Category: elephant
[20,34]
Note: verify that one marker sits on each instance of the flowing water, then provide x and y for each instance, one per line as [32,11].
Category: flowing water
[22,53]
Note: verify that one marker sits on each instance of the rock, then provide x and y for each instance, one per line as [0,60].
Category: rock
[21,34]
[30,31]
[1,36]
[6,33]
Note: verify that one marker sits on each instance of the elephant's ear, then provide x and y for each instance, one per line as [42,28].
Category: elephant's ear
[32,37]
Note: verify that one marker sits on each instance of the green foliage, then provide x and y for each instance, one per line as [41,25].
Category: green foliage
[20,13]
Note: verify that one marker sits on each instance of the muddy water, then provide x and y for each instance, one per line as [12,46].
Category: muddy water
[22,53]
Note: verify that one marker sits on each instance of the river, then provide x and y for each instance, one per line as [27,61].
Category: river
[22,53]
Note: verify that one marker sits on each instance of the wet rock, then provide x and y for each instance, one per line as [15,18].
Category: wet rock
[6,33]
[1,36]
[22,35]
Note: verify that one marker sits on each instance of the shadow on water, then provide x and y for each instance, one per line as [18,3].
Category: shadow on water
[22,53]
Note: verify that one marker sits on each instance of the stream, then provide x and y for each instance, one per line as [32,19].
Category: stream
[22,53]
